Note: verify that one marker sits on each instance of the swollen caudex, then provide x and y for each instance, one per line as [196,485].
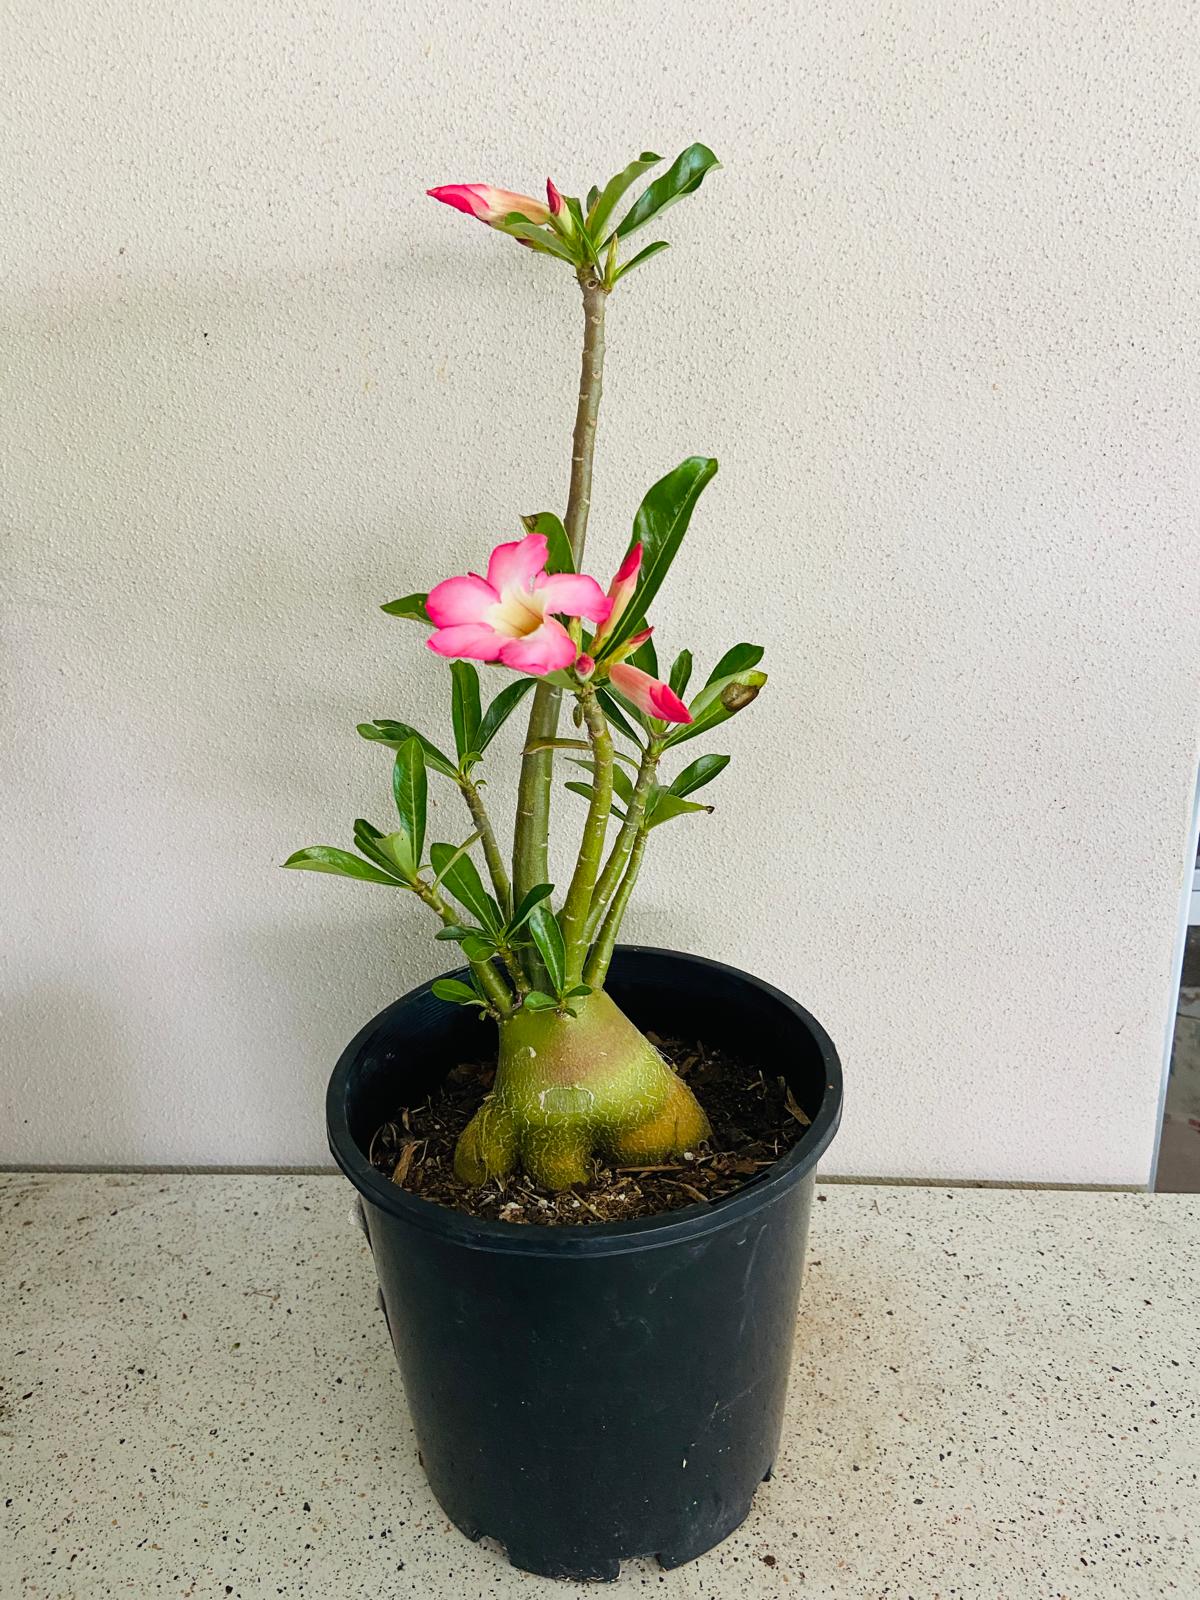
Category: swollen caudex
[591,1087]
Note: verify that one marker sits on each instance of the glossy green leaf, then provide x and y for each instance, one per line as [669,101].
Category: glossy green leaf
[602,208]
[453,860]
[681,672]
[524,911]
[464,707]
[399,848]
[535,1000]
[453,990]
[661,522]
[593,195]
[665,806]
[701,771]
[547,936]
[544,240]
[455,933]
[685,174]
[459,876]
[731,695]
[325,858]
[411,607]
[738,659]
[409,786]
[579,989]
[478,947]
[641,257]
[616,715]
[394,734]
[559,558]
[501,708]
[369,841]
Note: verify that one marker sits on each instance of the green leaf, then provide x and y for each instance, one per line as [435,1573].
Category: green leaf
[543,240]
[394,734]
[701,771]
[454,932]
[409,785]
[664,806]
[478,947]
[614,713]
[325,858]
[661,522]
[464,705]
[547,935]
[501,708]
[600,209]
[411,607]
[459,994]
[559,558]
[686,173]
[524,911]
[593,195]
[370,843]
[642,255]
[739,659]
[400,853]
[681,672]
[722,700]
[535,1000]
[580,988]
[456,857]
[460,877]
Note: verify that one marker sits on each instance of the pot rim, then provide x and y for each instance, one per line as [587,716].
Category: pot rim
[664,1228]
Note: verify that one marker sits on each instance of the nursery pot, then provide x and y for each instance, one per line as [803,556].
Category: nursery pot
[588,1394]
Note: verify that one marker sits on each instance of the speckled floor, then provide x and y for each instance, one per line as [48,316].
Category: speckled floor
[994,1398]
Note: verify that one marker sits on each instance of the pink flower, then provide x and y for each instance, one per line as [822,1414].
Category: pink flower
[651,695]
[488,204]
[620,592]
[553,196]
[507,616]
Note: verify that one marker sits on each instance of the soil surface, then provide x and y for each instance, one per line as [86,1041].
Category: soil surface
[754,1120]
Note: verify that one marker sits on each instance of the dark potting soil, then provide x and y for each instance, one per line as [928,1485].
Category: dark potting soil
[754,1121]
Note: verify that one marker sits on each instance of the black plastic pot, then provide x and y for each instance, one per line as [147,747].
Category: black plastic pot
[593,1393]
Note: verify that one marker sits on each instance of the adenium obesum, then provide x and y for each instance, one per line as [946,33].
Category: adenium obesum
[576,1082]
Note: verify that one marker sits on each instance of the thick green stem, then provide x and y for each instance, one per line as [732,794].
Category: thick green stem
[596,970]
[491,850]
[530,853]
[499,995]
[574,915]
[607,882]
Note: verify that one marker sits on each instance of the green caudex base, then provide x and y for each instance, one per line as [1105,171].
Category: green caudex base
[572,1088]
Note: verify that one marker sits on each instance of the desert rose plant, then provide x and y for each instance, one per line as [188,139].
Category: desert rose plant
[575,1080]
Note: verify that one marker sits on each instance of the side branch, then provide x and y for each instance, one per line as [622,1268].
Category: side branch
[577,904]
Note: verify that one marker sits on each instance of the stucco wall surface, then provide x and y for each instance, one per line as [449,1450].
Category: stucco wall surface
[936,316]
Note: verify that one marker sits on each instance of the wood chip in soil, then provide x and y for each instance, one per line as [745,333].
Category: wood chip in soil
[755,1119]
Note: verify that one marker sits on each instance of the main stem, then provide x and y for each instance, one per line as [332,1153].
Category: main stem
[531,838]
[574,915]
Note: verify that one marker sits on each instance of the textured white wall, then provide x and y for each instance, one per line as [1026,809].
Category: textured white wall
[937,319]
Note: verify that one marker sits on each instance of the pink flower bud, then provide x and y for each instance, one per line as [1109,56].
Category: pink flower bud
[553,196]
[585,665]
[488,204]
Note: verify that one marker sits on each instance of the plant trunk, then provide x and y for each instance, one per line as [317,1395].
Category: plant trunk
[570,1089]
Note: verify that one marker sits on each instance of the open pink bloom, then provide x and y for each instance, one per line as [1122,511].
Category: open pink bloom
[488,204]
[651,695]
[620,592]
[507,616]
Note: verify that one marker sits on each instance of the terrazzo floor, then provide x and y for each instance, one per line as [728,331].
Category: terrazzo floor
[994,1398]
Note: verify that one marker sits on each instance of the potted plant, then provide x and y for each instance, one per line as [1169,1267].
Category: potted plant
[580,1393]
